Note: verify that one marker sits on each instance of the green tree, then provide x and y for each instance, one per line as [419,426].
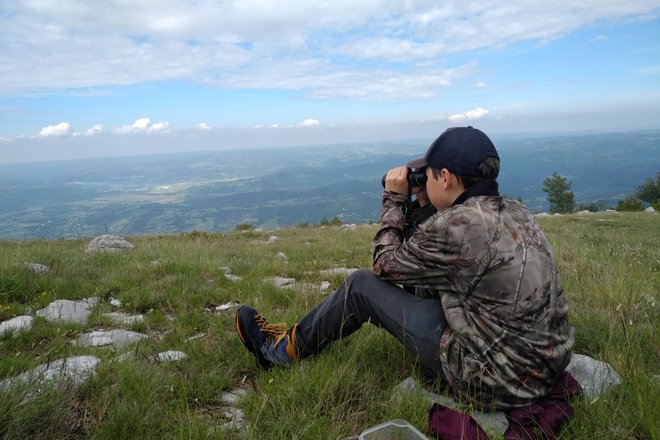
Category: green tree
[560,196]
[649,191]
[630,203]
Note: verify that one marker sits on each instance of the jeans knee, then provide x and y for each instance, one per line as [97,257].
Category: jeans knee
[360,277]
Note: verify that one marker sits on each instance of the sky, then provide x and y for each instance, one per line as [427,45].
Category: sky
[85,79]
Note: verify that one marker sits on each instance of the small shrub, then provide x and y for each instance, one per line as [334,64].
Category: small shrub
[630,203]
[245,226]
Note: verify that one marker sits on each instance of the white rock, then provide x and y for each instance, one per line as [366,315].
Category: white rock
[231,397]
[108,243]
[101,338]
[197,336]
[16,325]
[230,276]
[650,210]
[585,212]
[123,318]
[169,356]
[337,271]
[37,267]
[115,302]
[73,370]
[611,211]
[348,227]
[64,310]
[542,214]
[282,283]
[325,285]
[489,421]
[594,376]
[282,256]
[227,306]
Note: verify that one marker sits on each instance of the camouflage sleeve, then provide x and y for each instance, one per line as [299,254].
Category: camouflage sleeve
[419,261]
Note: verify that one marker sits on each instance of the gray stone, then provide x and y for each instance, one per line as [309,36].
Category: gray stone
[231,397]
[282,283]
[227,306]
[282,256]
[108,243]
[337,271]
[492,422]
[103,338]
[348,227]
[63,372]
[542,214]
[197,336]
[650,210]
[169,356]
[230,276]
[585,212]
[16,325]
[123,318]
[37,267]
[594,376]
[64,310]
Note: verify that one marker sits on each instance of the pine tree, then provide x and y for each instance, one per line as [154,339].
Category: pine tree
[560,196]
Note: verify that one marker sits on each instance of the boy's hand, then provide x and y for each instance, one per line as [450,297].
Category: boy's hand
[420,194]
[396,180]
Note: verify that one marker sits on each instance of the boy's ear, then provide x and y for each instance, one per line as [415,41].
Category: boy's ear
[446,178]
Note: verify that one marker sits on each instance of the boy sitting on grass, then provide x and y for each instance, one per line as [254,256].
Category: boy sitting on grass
[487,315]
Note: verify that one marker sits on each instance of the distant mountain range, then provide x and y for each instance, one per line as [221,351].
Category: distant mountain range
[275,187]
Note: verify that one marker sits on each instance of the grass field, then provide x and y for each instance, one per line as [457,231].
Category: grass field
[610,266]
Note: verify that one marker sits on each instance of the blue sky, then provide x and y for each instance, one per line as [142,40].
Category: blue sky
[91,79]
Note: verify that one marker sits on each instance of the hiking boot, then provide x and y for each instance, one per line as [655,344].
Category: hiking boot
[271,344]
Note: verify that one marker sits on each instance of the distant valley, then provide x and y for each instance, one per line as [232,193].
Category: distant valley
[278,187]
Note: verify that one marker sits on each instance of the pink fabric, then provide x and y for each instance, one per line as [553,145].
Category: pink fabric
[542,420]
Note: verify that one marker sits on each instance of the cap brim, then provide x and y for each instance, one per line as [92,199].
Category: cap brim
[417,163]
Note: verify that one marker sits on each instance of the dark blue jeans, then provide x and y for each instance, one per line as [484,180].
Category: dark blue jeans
[363,297]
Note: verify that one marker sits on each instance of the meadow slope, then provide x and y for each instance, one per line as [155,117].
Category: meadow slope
[610,266]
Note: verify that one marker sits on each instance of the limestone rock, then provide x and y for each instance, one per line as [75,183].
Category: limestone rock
[68,371]
[594,376]
[16,325]
[230,276]
[169,356]
[64,310]
[494,422]
[348,227]
[123,318]
[103,338]
[282,256]
[337,271]
[282,283]
[650,210]
[227,306]
[37,267]
[108,243]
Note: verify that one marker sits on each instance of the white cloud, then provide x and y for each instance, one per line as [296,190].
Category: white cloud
[94,130]
[480,84]
[203,126]
[144,125]
[310,122]
[159,127]
[476,113]
[80,44]
[59,130]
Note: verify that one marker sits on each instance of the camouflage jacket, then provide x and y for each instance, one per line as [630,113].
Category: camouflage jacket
[508,338]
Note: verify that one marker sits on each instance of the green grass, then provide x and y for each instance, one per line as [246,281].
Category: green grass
[610,266]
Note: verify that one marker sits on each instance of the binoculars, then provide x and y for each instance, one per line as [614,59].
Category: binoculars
[415,177]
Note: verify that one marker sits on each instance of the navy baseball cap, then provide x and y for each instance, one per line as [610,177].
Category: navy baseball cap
[460,150]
